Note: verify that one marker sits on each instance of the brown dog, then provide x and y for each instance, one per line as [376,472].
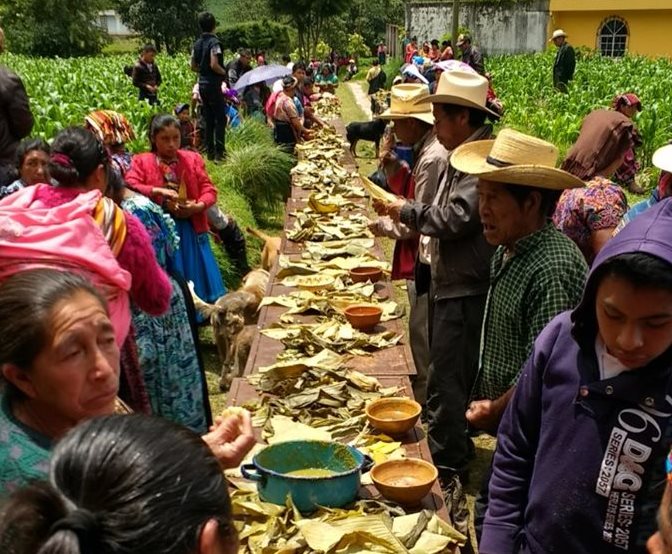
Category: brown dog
[271,250]
[233,318]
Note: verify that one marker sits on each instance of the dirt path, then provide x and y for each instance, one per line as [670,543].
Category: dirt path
[357,88]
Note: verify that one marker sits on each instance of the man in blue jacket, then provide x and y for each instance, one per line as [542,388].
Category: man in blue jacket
[207,59]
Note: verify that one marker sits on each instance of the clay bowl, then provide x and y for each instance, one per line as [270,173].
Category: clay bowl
[405,481]
[364,274]
[363,316]
[393,416]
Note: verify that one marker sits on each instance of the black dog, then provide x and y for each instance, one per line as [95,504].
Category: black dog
[365,130]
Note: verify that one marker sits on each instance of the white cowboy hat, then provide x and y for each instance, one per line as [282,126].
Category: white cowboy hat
[557,34]
[462,89]
[514,158]
[662,158]
[403,103]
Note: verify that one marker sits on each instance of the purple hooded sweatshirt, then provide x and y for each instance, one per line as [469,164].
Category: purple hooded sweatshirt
[579,466]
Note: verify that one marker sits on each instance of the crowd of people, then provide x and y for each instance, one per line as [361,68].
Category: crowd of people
[540,312]
[218,102]
[96,248]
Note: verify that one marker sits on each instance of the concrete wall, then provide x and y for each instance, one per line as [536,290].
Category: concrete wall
[495,30]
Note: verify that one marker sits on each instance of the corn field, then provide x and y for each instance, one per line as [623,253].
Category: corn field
[62,91]
[524,84]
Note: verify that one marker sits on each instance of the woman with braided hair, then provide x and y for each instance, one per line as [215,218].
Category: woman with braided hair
[124,484]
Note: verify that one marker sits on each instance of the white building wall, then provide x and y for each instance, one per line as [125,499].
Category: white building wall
[110,21]
[496,30]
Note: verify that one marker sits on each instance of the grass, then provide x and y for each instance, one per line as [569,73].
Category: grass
[234,200]
[351,111]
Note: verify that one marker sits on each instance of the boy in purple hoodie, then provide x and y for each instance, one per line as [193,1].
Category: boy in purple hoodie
[582,445]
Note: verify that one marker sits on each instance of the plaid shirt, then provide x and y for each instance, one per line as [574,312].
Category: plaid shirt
[544,276]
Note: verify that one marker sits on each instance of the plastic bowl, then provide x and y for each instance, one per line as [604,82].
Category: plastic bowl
[406,481]
[363,316]
[393,416]
[364,274]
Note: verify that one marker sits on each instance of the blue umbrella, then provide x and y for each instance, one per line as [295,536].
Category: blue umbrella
[262,74]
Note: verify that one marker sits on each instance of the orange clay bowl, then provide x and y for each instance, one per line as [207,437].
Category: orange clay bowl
[405,481]
[393,416]
[364,274]
[363,316]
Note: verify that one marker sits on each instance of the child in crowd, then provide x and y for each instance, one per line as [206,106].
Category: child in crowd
[177,180]
[351,70]
[232,105]
[146,75]
[254,104]
[581,447]
[187,129]
[232,100]
[158,175]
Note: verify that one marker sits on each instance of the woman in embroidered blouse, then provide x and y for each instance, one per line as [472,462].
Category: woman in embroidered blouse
[288,127]
[589,215]
[166,345]
[177,180]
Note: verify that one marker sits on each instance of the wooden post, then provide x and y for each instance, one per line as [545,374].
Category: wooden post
[456,23]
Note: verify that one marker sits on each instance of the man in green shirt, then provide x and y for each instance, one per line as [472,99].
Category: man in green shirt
[535,272]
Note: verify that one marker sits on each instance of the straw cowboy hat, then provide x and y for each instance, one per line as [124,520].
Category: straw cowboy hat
[403,104]
[662,158]
[461,88]
[514,158]
[557,34]
[462,39]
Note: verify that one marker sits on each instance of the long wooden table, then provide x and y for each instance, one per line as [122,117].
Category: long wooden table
[391,366]
[413,441]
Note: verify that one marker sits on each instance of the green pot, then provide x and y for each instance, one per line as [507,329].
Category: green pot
[270,467]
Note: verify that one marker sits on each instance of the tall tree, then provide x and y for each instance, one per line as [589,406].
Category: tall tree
[169,23]
[367,18]
[308,17]
[51,28]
